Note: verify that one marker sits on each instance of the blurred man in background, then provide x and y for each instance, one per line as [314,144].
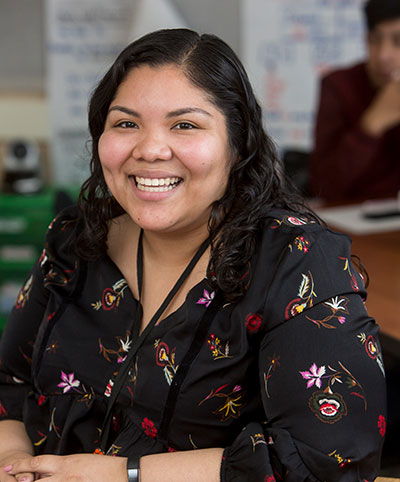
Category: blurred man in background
[357,131]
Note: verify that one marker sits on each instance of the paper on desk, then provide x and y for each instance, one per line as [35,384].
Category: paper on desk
[351,220]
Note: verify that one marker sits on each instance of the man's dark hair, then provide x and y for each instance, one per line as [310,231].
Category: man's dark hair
[377,11]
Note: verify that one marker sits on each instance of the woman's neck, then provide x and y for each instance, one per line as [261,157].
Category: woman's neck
[172,249]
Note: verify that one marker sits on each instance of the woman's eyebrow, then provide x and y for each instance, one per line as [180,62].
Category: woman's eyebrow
[125,110]
[174,113]
[187,110]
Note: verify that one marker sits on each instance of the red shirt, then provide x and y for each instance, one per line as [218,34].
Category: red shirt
[347,163]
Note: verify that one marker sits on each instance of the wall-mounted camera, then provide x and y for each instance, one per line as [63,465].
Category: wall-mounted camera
[22,167]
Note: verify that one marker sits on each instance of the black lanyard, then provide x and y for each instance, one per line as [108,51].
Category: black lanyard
[127,364]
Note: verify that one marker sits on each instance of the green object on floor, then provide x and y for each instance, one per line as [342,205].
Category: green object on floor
[24,219]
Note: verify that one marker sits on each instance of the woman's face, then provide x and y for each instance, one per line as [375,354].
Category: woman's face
[164,151]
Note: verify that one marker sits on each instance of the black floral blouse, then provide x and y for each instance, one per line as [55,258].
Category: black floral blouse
[289,381]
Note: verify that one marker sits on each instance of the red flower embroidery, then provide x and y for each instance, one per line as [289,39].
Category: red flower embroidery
[269,478]
[382,425]
[149,428]
[371,347]
[41,400]
[108,299]
[253,322]
[3,411]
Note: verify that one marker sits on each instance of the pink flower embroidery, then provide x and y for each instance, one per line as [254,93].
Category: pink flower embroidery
[314,375]
[207,298]
[68,382]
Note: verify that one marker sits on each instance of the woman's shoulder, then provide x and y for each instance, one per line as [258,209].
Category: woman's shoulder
[58,262]
[283,225]
[63,229]
[298,258]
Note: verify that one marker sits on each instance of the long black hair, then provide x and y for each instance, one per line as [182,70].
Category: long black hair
[256,181]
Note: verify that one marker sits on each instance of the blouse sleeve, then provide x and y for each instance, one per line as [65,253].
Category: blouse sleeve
[50,274]
[321,374]
[17,344]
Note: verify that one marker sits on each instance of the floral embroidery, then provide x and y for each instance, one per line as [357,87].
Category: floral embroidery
[214,344]
[314,375]
[23,295]
[353,278]
[41,440]
[372,349]
[338,308]
[111,296]
[290,221]
[113,450]
[305,296]
[68,382]
[124,347]
[166,359]
[41,400]
[269,478]
[328,406]
[52,348]
[149,428]
[3,411]
[55,276]
[340,460]
[207,298]
[109,386]
[53,426]
[253,322]
[257,439]
[301,243]
[273,364]
[382,425]
[232,404]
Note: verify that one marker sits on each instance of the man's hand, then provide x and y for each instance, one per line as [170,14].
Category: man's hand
[384,112]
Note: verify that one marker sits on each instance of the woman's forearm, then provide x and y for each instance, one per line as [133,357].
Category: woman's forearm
[13,438]
[193,465]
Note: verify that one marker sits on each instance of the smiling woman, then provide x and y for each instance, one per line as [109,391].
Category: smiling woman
[191,313]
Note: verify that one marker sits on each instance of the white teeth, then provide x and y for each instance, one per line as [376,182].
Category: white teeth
[157,184]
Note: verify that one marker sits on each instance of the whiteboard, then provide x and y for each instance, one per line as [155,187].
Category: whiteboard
[287,46]
[83,39]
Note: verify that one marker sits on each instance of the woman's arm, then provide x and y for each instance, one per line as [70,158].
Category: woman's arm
[191,466]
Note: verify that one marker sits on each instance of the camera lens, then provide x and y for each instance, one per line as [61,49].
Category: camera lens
[19,150]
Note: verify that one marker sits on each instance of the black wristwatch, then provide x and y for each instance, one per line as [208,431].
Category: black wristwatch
[133,468]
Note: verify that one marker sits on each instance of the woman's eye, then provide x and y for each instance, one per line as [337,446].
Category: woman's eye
[126,125]
[185,125]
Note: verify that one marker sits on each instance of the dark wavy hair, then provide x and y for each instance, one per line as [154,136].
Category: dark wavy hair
[256,182]
[377,11]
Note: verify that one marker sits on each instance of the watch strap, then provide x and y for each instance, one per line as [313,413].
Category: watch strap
[133,468]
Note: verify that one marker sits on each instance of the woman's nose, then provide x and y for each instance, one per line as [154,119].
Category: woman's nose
[151,147]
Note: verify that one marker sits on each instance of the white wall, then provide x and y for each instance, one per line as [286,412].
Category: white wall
[220,17]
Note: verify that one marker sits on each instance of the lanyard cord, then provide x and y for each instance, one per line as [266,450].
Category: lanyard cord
[126,366]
